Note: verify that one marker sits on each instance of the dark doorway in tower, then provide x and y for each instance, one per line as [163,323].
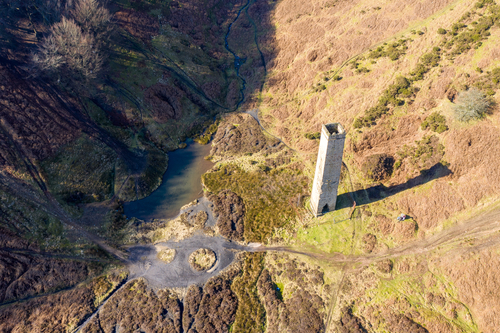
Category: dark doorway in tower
[325,209]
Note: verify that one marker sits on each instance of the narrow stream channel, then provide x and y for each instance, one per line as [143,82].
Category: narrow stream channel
[237,60]
[181,184]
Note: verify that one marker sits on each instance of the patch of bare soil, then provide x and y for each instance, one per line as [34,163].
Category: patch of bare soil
[378,166]
[349,323]
[369,242]
[230,211]
[401,323]
[190,18]
[217,310]
[240,134]
[27,272]
[59,312]
[10,240]
[472,157]
[32,116]
[136,307]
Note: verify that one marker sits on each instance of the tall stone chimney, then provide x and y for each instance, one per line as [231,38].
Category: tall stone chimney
[327,176]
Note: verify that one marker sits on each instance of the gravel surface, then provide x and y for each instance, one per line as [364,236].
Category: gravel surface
[203,204]
[143,261]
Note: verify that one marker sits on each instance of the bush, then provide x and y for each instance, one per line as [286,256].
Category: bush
[230,212]
[482,3]
[471,104]
[378,167]
[436,122]
[393,51]
[313,135]
[68,51]
[441,31]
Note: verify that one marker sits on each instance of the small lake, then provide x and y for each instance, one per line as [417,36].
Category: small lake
[181,184]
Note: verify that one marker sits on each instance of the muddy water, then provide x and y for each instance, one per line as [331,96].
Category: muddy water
[181,184]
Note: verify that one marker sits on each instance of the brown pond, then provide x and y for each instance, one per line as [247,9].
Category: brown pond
[181,184]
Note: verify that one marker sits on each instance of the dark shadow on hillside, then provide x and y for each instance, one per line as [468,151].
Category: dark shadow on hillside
[380,192]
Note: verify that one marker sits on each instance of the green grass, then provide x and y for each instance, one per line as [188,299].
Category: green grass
[413,289]
[269,196]
[329,233]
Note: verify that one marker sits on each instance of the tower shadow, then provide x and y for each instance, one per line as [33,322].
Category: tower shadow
[380,192]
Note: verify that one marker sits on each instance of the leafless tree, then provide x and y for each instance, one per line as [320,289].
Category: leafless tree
[92,17]
[68,51]
[48,59]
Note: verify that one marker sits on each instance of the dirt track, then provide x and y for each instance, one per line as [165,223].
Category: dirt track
[483,229]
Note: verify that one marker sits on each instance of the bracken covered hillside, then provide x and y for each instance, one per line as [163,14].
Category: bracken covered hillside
[392,73]
[90,105]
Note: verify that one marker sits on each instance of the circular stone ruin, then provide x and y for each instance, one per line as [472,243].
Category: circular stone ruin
[202,259]
[166,255]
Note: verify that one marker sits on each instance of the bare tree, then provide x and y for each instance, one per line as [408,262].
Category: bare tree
[92,17]
[48,59]
[68,51]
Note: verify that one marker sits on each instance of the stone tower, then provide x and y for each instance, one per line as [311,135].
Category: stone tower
[327,177]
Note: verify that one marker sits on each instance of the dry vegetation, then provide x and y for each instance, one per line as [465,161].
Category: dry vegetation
[202,259]
[393,74]
[166,255]
[202,310]
[230,211]
[265,177]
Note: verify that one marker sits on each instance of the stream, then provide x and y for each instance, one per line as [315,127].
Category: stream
[237,60]
[180,185]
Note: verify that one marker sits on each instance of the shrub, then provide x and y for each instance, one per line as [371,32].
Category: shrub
[401,88]
[313,135]
[202,259]
[436,122]
[441,31]
[392,51]
[471,104]
[425,153]
[482,3]
[361,70]
[230,211]
[378,166]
